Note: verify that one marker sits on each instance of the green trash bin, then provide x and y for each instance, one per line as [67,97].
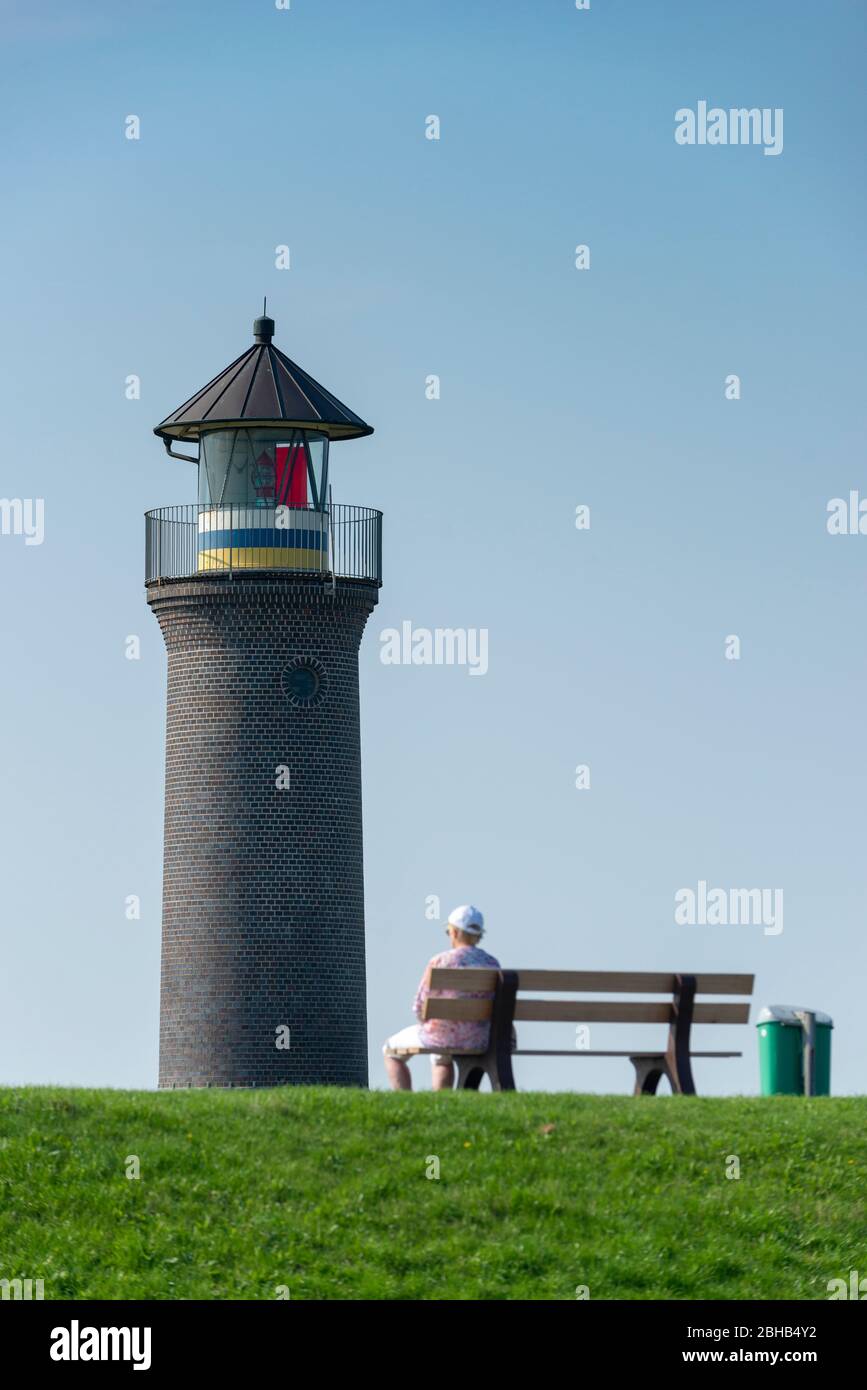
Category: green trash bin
[784,1036]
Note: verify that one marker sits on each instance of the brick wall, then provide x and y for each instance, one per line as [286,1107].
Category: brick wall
[263,890]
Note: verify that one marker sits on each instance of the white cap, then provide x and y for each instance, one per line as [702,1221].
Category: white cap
[468,919]
[788,1013]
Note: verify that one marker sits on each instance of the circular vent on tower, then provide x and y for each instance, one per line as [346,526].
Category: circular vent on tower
[303,682]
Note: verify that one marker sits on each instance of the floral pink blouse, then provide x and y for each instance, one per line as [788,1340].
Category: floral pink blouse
[446,1032]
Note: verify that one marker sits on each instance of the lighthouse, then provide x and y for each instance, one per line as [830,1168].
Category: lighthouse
[262,589]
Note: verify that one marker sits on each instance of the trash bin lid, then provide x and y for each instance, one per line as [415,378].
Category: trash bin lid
[788,1013]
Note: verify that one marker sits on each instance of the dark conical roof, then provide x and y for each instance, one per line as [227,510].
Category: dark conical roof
[263,387]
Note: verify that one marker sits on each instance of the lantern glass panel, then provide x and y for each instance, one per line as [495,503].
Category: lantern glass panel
[264,468]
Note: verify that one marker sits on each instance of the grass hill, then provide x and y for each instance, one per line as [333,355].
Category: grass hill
[324,1192]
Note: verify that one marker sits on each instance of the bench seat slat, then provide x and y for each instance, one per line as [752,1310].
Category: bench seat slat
[598,1011]
[627,982]
[532,1052]
[580,1011]
[590,1052]
[472,977]
[434,1051]
[593,981]
[462,1010]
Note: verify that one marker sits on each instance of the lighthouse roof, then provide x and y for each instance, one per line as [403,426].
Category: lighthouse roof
[263,387]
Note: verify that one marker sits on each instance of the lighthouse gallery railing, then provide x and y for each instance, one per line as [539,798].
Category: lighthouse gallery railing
[196,539]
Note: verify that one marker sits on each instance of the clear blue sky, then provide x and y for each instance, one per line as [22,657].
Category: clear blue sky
[411,257]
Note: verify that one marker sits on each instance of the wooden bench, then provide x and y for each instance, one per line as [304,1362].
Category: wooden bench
[504,1009]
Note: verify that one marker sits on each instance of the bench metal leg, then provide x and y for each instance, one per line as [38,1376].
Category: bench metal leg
[471,1070]
[649,1071]
[674,1063]
[470,1073]
[502,1023]
[496,1063]
[677,1063]
[500,1072]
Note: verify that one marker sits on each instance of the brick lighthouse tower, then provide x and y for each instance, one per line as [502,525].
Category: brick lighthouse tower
[262,590]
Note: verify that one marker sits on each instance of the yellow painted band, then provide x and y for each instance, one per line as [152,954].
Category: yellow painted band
[261,557]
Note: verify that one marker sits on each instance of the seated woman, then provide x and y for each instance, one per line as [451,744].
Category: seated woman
[465,929]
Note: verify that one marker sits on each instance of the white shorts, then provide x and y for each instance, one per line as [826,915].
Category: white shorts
[410,1037]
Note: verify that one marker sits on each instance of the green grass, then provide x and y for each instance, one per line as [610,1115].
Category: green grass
[324,1191]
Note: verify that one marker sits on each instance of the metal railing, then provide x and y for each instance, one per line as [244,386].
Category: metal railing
[342,542]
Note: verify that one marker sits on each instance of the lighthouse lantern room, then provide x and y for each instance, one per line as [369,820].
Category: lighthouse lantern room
[263,428]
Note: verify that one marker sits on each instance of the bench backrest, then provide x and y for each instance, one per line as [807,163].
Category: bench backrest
[474,979]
